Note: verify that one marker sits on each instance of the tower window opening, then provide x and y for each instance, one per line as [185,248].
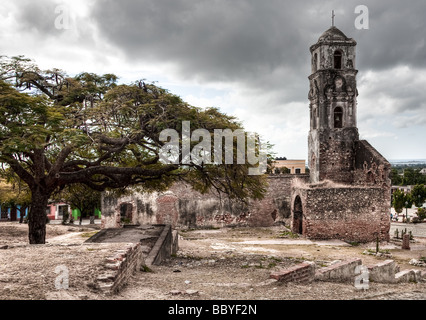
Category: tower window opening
[338,118]
[337,59]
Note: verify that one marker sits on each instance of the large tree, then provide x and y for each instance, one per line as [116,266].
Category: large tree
[57,130]
[418,194]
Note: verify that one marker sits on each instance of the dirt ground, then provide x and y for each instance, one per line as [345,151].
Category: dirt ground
[30,272]
[228,263]
[236,263]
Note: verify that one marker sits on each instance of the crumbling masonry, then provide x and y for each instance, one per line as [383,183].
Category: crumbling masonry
[346,195]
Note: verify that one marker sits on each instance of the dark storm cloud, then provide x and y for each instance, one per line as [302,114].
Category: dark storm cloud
[396,35]
[258,45]
[214,40]
[38,16]
[263,44]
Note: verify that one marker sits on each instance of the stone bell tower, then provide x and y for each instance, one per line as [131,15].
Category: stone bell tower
[333,108]
[348,196]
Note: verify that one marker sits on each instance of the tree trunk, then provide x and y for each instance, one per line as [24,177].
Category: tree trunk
[22,213]
[37,217]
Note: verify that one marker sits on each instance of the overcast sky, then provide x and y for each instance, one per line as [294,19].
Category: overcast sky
[249,58]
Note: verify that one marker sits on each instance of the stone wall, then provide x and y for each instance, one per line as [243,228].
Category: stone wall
[182,207]
[119,267]
[162,249]
[371,167]
[358,214]
[304,272]
[336,155]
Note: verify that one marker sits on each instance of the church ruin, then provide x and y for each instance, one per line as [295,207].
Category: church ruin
[345,196]
[348,196]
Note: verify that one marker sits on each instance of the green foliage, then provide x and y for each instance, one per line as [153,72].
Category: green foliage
[413,176]
[65,217]
[398,200]
[421,213]
[395,177]
[145,268]
[125,220]
[407,175]
[80,197]
[285,170]
[288,234]
[418,194]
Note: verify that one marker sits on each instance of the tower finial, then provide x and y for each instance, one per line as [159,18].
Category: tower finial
[332,18]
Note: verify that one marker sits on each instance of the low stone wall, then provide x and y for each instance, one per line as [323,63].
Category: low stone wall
[383,272]
[304,272]
[119,267]
[342,271]
[163,248]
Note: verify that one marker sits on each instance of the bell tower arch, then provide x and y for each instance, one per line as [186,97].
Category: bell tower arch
[332,102]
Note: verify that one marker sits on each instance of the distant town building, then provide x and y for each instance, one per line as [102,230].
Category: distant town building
[295,166]
[405,189]
[423,171]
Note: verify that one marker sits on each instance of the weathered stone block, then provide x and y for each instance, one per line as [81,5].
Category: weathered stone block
[383,272]
[405,276]
[341,271]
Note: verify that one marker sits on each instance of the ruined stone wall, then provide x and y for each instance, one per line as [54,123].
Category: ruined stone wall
[358,214]
[371,167]
[337,155]
[182,207]
[120,267]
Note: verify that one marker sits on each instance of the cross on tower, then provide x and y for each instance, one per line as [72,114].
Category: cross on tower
[332,18]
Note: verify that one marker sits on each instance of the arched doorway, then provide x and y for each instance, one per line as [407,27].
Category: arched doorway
[126,212]
[298,216]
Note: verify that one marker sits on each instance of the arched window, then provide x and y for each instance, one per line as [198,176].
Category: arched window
[338,118]
[337,59]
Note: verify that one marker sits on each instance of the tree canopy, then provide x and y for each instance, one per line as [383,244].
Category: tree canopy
[57,130]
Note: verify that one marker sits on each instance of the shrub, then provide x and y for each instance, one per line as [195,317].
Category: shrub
[421,213]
